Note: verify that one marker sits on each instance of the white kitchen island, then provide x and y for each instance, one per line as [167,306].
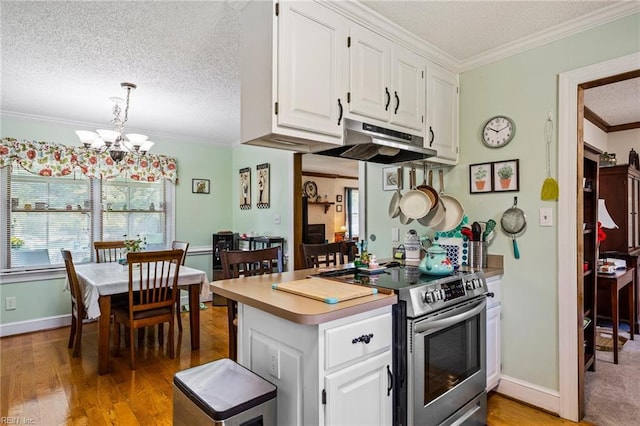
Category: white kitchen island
[332,363]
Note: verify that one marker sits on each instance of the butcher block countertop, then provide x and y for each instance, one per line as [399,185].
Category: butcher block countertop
[258,293]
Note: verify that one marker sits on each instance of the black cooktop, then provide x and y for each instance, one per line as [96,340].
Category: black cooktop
[393,278]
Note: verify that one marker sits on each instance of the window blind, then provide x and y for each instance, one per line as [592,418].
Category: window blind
[45,214]
[48,214]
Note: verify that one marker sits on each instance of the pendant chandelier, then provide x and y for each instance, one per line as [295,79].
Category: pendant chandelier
[114,141]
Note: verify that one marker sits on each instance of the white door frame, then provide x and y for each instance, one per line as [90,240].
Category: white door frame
[567,236]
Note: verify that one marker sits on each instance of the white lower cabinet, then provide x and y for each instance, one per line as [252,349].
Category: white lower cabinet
[335,373]
[494,330]
[359,394]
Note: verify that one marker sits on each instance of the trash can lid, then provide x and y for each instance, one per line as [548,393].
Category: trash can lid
[224,388]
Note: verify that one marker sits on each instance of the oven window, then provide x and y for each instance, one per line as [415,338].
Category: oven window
[451,356]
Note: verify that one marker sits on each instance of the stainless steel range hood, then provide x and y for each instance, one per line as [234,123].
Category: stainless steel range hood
[368,142]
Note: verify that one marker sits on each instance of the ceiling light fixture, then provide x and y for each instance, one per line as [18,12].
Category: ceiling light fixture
[113,141]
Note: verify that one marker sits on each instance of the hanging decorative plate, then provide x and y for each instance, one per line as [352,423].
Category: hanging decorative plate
[310,189]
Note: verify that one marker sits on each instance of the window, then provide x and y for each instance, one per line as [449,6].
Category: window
[46,214]
[134,208]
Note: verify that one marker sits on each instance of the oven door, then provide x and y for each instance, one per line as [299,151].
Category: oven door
[448,365]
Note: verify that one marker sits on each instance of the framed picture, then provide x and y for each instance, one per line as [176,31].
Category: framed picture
[263,185]
[338,208]
[245,188]
[338,198]
[391,178]
[200,186]
[480,178]
[506,176]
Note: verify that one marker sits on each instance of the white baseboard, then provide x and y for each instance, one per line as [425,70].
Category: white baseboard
[538,396]
[38,324]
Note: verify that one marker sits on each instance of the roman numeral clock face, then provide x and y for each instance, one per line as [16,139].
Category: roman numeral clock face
[498,131]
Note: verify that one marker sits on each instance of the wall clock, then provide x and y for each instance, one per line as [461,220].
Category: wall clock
[498,131]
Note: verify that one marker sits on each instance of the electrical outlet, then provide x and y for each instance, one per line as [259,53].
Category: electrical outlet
[546,216]
[10,303]
[395,235]
[277,220]
[274,362]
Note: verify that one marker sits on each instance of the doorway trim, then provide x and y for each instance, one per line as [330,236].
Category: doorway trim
[567,239]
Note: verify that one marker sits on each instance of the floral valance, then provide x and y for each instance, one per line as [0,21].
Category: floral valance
[51,159]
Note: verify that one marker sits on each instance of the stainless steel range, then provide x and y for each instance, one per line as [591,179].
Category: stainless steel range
[439,344]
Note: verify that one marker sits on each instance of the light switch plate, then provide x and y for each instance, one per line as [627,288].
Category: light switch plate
[395,235]
[546,216]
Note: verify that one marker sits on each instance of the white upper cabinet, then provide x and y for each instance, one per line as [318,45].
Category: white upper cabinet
[292,60]
[442,114]
[369,74]
[386,81]
[408,99]
[310,41]
[306,65]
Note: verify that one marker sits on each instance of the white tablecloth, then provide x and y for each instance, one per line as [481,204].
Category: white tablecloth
[99,279]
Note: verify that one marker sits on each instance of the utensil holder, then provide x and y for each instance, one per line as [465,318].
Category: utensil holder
[478,254]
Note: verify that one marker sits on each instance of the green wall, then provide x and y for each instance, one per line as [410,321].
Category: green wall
[262,221]
[523,87]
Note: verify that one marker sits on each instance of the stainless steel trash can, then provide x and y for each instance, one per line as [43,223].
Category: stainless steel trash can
[223,393]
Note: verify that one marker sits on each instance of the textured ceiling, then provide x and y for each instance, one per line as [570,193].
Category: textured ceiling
[467,29]
[616,103]
[62,60]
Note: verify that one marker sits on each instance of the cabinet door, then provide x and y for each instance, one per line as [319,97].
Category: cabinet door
[442,112]
[369,74]
[493,347]
[407,97]
[310,67]
[361,394]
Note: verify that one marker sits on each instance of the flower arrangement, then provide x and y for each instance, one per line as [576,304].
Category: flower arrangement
[16,242]
[505,172]
[134,245]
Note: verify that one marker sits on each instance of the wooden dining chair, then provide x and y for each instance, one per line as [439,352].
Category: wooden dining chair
[153,284]
[237,263]
[329,254]
[184,246]
[109,251]
[78,312]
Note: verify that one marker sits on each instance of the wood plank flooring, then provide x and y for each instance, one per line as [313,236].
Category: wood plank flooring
[42,383]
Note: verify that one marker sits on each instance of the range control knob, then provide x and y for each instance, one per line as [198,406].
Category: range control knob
[428,297]
[469,285]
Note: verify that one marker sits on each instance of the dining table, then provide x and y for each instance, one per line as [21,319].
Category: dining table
[100,281]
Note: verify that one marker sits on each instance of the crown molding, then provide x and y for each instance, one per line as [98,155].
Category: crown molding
[588,21]
[372,20]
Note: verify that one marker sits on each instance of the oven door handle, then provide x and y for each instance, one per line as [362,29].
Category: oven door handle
[437,323]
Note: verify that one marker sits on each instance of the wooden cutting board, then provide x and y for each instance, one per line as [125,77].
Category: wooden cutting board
[325,290]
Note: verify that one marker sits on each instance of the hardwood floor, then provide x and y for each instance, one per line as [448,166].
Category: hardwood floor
[42,383]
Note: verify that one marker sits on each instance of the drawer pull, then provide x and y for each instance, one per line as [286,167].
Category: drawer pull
[366,338]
